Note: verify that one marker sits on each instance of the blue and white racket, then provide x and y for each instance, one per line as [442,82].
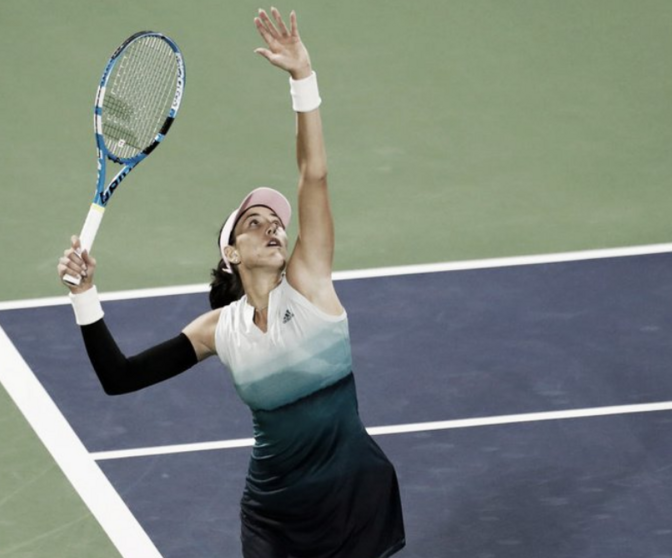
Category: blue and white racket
[137,100]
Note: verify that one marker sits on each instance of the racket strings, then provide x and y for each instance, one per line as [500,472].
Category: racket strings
[138,102]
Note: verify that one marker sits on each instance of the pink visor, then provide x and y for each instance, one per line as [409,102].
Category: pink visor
[267,197]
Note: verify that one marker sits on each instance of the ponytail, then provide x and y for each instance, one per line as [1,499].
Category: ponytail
[225,288]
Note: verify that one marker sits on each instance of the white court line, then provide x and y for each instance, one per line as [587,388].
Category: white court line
[375,272]
[72,457]
[405,428]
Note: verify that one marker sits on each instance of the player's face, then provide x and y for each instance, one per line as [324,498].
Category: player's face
[261,239]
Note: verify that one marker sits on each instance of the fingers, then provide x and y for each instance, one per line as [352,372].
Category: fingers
[67,268]
[274,31]
[283,48]
[267,54]
[76,263]
[72,264]
[88,260]
[279,22]
[292,24]
[266,28]
[268,38]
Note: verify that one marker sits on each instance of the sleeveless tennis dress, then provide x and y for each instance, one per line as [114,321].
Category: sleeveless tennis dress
[318,486]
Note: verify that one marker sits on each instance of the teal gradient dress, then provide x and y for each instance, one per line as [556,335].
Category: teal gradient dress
[318,486]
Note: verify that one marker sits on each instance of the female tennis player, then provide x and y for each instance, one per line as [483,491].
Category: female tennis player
[318,486]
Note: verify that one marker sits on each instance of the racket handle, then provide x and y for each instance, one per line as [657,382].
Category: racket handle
[88,235]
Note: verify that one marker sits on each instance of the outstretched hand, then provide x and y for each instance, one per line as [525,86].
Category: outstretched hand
[285,49]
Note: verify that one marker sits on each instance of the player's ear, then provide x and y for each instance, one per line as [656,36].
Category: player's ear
[232,254]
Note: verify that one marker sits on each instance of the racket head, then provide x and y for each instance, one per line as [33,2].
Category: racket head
[138,97]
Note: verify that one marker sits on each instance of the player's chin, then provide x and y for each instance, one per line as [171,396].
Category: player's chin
[276,260]
[277,251]
[281,260]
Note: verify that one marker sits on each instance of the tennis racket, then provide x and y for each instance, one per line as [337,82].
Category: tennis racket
[137,101]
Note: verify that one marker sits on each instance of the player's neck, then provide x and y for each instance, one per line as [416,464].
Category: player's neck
[258,287]
[261,319]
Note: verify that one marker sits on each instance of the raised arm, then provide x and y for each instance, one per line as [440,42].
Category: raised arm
[310,266]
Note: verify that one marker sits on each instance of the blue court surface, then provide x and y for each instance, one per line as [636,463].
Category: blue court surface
[525,406]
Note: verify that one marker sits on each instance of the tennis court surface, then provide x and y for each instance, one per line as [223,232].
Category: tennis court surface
[526,403]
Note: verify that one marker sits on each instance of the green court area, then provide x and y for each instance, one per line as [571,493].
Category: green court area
[455,130]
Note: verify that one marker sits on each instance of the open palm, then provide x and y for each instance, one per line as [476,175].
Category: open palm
[285,49]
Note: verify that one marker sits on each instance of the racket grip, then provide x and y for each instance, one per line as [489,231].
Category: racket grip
[88,235]
[90,228]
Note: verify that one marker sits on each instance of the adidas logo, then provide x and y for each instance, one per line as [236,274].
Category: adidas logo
[288,316]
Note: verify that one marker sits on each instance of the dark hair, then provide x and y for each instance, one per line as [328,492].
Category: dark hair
[225,288]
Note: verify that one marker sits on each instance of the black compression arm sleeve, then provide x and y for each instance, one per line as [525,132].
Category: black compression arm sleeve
[119,374]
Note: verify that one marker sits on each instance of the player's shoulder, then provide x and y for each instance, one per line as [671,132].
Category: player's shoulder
[201,333]
[203,327]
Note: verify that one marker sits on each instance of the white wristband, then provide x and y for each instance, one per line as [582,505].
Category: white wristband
[87,307]
[305,94]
